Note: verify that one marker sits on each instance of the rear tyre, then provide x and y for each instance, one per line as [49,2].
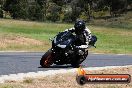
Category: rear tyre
[47,59]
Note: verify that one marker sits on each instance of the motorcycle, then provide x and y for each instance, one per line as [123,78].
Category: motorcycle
[63,51]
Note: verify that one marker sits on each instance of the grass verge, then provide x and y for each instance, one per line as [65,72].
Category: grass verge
[68,80]
[18,35]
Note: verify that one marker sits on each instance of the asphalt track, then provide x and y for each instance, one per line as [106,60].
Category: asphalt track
[23,62]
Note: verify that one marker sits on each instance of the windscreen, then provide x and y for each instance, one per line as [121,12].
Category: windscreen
[65,38]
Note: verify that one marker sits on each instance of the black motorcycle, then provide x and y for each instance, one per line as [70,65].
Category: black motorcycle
[63,51]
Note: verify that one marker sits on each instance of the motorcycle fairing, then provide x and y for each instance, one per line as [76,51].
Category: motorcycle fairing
[64,39]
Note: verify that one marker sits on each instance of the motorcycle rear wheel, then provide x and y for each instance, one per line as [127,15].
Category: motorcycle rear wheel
[47,59]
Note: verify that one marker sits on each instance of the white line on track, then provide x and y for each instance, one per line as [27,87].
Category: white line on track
[21,76]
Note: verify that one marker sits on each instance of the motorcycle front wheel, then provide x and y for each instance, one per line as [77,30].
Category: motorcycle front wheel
[78,60]
[47,59]
[75,64]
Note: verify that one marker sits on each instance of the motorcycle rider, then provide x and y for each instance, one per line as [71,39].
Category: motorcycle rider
[84,39]
[78,44]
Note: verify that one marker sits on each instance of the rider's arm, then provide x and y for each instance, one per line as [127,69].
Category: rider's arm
[88,37]
[82,46]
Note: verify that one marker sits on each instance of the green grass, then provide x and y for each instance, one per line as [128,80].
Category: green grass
[32,29]
[110,39]
[113,40]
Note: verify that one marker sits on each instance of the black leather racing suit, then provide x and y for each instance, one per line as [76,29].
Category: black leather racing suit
[82,39]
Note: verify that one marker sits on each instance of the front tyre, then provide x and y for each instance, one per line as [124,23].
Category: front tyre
[47,59]
[79,59]
[75,64]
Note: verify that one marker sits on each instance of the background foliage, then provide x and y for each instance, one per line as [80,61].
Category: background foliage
[63,10]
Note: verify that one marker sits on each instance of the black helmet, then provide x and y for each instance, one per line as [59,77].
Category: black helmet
[79,26]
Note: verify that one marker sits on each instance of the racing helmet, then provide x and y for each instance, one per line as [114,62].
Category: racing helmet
[79,26]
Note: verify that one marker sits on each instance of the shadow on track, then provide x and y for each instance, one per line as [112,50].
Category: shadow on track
[61,66]
[58,66]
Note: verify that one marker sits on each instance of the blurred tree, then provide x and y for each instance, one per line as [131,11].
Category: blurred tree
[17,8]
[63,10]
[118,7]
[1,13]
[43,7]
[76,10]
[59,2]
[34,12]
[67,16]
[53,12]
[1,8]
